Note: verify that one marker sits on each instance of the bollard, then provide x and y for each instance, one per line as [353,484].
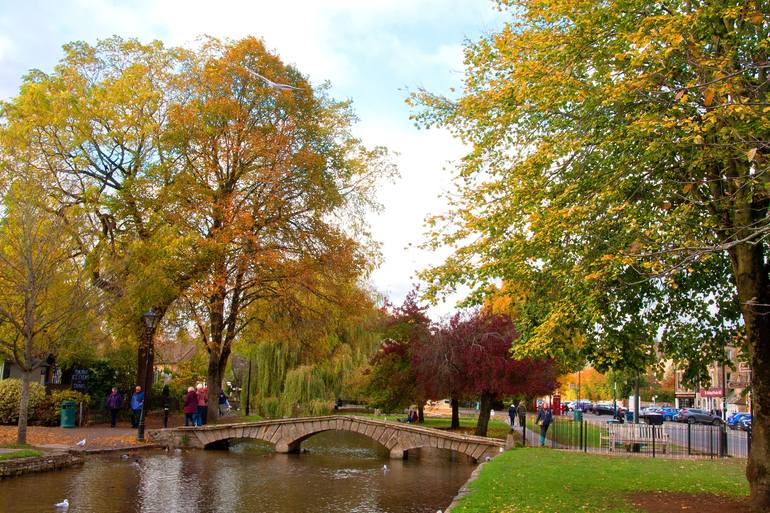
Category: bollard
[165,417]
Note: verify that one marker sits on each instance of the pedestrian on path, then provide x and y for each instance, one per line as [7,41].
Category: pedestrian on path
[203,399]
[114,402]
[512,414]
[224,405]
[522,413]
[190,407]
[544,418]
[137,401]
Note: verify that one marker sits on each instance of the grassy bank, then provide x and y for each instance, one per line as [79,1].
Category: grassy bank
[497,428]
[537,480]
[23,453]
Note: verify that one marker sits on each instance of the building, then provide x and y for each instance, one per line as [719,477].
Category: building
[48,374]
[732,379]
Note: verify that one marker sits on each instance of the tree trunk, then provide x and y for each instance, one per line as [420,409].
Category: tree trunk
[485,409]
[752,284]
[421,412]
[215,376]
[21,436]
[455,414]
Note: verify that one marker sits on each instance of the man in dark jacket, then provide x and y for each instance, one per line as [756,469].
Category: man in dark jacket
[512,414]
[544,418]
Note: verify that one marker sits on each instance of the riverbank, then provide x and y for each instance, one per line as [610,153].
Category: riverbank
[97,438]
[535,480]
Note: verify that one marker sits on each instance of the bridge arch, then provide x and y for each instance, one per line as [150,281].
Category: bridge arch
[288,434]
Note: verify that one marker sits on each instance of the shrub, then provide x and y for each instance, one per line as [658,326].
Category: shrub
[10,396]
[48,414]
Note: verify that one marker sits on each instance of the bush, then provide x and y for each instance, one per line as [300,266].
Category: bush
[10,396]
[49,413]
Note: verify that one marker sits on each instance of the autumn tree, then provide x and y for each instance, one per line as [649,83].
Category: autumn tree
[98,123]
[483,343]
[619,162]
[393,379]
[275,186]
[43,297]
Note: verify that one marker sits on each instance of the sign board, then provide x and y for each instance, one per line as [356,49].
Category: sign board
[737,384]
[712,392]
[80,380]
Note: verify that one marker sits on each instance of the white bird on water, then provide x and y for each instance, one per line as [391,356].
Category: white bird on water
[274,85]
[385,468]
[81,443]
[64,505]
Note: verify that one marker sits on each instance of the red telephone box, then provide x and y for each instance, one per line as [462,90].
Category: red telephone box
[556,405]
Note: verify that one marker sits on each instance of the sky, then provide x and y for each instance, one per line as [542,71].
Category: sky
[371,51]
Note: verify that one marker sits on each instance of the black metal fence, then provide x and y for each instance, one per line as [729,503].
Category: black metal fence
[670,439]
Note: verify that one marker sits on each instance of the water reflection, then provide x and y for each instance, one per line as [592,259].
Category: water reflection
[339,472]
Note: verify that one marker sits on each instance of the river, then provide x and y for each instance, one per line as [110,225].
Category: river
[338,472]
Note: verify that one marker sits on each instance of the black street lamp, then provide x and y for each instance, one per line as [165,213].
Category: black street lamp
[151,319]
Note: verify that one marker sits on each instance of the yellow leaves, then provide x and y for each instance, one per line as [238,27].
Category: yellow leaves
[708,97]
[756,18]
[751,154]
[688,187]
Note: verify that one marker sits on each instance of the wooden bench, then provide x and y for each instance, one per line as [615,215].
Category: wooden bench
[635,436]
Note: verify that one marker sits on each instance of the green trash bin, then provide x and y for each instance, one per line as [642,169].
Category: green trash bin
[68,409]
[577,416]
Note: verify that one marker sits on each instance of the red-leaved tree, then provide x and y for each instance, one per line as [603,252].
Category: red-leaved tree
[471,357]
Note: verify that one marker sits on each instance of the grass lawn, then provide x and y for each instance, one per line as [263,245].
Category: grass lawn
[567,432]
[535,480]
[24,453]
[497,428]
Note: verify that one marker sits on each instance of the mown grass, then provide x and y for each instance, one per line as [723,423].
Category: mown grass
[497,428]
[535,480]
[24,453]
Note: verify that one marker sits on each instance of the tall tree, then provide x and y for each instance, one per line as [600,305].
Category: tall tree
[97,123]
[393,379]
[42,287]
[482,345]
[270,175]
[619,165]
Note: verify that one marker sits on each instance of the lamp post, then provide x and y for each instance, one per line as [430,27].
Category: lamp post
[151,319]
[248,390]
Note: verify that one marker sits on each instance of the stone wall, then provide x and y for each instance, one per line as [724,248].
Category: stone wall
[19,466]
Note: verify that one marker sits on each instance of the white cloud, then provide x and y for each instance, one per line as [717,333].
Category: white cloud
[369,50]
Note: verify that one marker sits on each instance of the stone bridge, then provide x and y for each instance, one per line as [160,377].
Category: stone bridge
[287,435]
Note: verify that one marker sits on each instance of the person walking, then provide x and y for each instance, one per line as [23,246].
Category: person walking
[190,407]
[114,402]
[203,399]
[544,418]
[137,401]
[223,404]
[521,411]
[512,414]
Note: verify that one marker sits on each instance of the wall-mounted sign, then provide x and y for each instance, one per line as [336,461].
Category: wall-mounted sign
[712,392]
[80,380]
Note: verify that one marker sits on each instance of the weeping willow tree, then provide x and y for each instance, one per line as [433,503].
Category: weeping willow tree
[302,355]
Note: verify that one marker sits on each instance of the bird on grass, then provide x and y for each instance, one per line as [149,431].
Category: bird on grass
[274,85]
[63,505]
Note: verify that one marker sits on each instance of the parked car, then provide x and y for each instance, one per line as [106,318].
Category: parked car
[583,405]
[734,419]
[652,415]
[669,413]
[697,416]
[604,409]
[745,424]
